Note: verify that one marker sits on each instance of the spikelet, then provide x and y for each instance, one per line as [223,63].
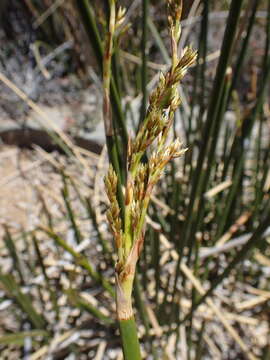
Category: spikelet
[113,212]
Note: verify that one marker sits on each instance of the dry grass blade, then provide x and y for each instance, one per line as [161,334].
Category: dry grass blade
[18,338]
[218,313]
[39,354]
[43,17]
[47,120]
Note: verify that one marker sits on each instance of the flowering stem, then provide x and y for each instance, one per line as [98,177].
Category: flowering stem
[141,177]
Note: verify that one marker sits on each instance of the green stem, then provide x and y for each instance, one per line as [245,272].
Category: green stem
[243,50]
[145,5]
[80,260]
[130,342]
[213,107]
[127,324]
[253,242]
[88,18]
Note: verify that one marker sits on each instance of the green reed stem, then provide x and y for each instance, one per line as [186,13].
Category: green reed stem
[13,254]
[238,147]
[130,342]
[204,42]
[144,77]
[84,305]
[23,300]
[243,51]
[88,17]
[206,174]
[70,212]
[80,260]
[52,293]
[253,242]
[214,104]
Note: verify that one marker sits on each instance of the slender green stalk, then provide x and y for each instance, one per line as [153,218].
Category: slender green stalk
[52,293]
[156,265]
[111,139]
[199,74]
[194,297]
[254,241]
[85,201]
[13,253]
[159,41]
[70,212]
[203,41]
[45,210]
[267,40]
[140,304]
[214,104]
[104,243]
[80,260]
[260,185]
[130,343]
[23,300]
[237,150]
[145,5]
[82,304]
[139,301]
[199,345]
[243,50]
[18,338]
[88,17]
[210,161]
[266,352]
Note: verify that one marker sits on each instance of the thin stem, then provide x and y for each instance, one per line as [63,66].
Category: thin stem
[215,99]
[144,77]
[130,342]
[88,18]
[254,241]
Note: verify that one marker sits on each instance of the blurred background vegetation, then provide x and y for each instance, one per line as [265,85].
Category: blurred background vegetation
[209,222]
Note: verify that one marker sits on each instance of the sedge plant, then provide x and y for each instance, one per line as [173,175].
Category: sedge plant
[127,218]
[201,235]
